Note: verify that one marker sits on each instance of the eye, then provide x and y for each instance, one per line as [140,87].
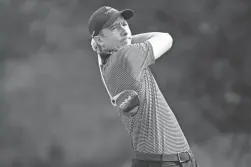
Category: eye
[113,28]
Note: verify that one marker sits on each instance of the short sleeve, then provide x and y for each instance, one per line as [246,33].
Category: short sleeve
[136,57]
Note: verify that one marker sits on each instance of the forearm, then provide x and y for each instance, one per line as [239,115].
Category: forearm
[138,38]
[161,42]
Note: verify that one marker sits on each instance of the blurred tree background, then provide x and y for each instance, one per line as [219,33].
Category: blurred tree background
[55,112]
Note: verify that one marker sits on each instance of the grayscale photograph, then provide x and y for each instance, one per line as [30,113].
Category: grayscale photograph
[133,83]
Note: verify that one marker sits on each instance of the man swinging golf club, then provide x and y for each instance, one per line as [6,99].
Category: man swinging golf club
[124,61]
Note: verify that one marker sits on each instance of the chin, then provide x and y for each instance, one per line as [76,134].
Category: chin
[126,42]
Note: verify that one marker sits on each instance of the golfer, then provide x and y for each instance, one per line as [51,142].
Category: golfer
[124,60]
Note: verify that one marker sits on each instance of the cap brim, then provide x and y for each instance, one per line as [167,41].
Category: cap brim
[126,14]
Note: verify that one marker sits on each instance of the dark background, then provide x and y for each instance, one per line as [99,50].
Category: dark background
[55,112]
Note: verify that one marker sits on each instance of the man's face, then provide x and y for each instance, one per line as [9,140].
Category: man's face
[117,35]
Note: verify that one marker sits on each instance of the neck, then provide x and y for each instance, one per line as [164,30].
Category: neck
[105,55]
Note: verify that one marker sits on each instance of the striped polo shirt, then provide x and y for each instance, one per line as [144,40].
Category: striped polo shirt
[154,129]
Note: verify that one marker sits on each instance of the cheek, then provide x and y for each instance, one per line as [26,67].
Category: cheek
[115,38]
[112,41]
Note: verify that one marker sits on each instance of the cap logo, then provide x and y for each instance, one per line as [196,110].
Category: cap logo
[107,7]
[109,10]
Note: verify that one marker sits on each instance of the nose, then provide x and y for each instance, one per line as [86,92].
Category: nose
[123,31]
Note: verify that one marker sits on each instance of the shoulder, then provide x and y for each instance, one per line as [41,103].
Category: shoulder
[136,48]
[132,51]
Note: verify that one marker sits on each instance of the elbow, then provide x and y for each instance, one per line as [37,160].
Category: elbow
[169,40]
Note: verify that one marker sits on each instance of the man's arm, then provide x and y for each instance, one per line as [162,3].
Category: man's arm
[161,42]
[138,38]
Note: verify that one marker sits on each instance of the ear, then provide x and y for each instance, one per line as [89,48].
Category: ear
[98,39]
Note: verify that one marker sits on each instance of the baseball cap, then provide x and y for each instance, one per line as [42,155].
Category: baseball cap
[104,17]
